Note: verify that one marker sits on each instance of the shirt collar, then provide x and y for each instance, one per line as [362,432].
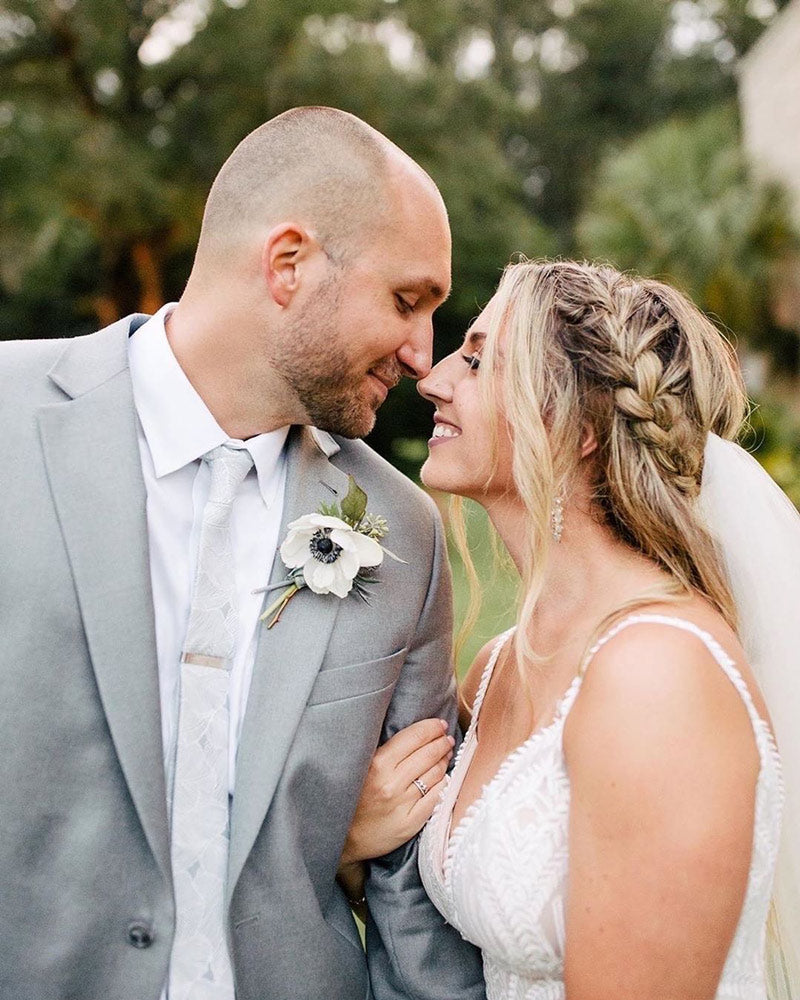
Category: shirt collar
[178,426]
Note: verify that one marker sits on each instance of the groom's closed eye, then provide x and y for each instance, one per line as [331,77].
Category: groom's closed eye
[403,305]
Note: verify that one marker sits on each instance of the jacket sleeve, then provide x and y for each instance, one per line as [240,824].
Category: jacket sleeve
[411,951]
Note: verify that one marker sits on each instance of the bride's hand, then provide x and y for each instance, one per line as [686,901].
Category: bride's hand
[392,808]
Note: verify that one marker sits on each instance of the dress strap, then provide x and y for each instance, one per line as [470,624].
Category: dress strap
[488,670]
[486,676]
[722,658]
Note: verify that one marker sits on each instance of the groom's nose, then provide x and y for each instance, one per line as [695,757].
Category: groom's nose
[415,354]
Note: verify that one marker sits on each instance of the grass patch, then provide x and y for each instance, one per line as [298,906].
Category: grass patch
[498,581]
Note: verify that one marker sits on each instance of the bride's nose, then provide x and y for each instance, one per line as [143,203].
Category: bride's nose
[437,384]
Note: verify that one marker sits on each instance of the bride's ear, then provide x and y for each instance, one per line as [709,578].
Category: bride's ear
[588,440]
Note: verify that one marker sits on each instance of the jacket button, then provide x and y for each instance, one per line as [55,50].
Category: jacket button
[140,935]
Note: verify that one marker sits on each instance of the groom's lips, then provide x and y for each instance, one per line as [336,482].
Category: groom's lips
[385,380]
[381,387]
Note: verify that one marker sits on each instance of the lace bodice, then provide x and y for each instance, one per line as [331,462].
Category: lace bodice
[500,876]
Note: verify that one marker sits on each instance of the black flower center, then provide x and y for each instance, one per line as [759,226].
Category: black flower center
[322,548]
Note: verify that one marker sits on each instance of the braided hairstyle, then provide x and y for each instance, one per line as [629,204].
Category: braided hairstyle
[638,363]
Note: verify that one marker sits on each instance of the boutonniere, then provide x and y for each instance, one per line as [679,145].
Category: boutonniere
[331,552]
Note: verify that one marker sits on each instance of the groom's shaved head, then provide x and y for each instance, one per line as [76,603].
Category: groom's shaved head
[320,167]
[324,251]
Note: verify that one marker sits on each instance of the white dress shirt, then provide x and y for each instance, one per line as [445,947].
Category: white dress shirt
[175,430]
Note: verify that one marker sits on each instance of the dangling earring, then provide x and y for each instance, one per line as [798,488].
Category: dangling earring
[557,515]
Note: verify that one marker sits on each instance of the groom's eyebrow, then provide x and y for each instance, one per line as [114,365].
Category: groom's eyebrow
[428,286]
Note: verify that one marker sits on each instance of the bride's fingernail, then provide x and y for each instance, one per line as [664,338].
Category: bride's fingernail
[445,724]
[451,740]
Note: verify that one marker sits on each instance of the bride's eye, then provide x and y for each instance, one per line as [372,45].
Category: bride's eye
[473,361]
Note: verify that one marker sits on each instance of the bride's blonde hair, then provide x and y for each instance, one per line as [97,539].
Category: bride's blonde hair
[576,345]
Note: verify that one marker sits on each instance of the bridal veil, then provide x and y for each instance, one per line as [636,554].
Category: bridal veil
[757,530]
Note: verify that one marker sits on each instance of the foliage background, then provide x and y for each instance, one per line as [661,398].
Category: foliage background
[600,128]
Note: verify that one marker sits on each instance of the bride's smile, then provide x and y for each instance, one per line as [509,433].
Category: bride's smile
[467,455]
[442,430]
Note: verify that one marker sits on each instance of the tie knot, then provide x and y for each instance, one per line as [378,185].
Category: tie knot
[229,466]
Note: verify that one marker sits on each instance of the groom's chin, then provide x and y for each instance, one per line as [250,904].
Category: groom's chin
[354,423]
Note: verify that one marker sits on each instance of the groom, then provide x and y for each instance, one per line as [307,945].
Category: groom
[150,471]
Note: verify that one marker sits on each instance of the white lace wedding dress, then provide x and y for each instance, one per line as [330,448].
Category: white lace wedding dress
[500,876]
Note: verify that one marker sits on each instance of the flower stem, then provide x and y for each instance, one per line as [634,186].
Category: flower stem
[278,606]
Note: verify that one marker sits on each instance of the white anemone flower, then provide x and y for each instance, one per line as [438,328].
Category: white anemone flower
[330,553]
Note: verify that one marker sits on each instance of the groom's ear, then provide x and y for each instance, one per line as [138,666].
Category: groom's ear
[288,249]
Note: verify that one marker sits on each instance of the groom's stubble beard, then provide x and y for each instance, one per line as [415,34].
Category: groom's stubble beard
[317,369]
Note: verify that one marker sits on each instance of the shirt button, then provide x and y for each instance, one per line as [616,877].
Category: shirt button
[140,934]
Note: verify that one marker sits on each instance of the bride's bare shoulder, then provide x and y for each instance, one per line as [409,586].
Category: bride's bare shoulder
[660,675]
[663,767]
[662,624]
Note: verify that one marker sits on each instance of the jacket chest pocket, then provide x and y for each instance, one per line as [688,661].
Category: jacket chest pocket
[356,679]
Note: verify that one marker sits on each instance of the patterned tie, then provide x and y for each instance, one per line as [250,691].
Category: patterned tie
[200,968]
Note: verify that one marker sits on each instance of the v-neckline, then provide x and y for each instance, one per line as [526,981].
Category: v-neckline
[453,835]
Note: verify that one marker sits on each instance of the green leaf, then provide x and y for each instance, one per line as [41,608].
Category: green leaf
[354,505]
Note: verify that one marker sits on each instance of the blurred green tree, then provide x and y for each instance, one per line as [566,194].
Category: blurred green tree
[581,74]
[115,117]
[678,203]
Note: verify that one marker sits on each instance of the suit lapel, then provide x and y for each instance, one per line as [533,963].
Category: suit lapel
[288,657]
[91,454]
[92,459]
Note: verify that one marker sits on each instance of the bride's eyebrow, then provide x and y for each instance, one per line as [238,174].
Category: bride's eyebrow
[474,340]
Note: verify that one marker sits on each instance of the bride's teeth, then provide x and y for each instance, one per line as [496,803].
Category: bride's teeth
[445,430]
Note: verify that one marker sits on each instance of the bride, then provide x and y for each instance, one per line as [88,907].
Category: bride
[611,826]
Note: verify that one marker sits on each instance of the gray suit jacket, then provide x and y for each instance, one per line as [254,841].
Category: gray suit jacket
[86,906]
